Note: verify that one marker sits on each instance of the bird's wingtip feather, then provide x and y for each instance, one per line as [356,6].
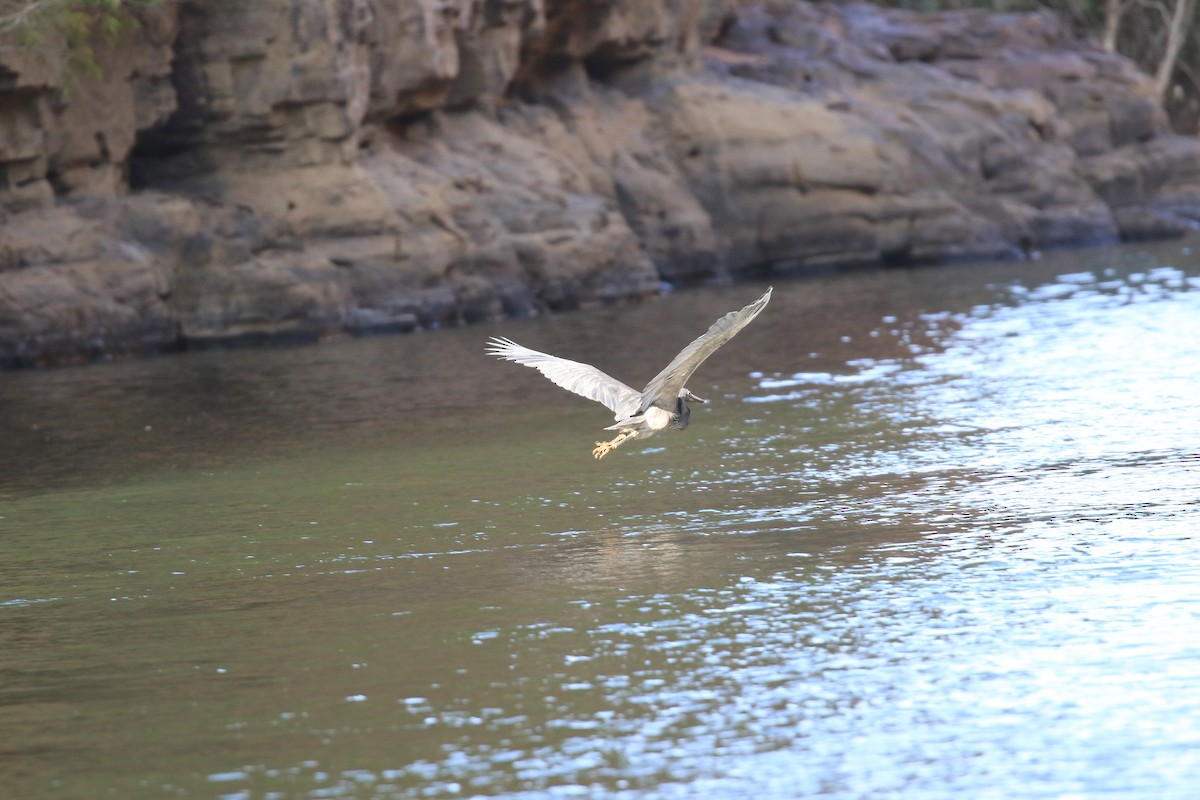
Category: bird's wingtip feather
[499,346]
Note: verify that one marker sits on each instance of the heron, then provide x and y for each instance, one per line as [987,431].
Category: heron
[662,404]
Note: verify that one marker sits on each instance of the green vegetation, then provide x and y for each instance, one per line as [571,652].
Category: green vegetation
[75,22]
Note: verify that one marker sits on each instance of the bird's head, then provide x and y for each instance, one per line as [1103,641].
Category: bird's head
[683,414]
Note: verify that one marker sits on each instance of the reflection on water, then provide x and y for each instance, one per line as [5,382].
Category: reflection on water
[935,538]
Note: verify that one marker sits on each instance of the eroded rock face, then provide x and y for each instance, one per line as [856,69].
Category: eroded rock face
[263,86]
[301,168]
[1007,118]
[62,132]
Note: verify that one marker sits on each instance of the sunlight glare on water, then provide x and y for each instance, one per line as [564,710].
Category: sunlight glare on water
[946,548]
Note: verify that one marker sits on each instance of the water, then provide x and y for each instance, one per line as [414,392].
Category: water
[935,537]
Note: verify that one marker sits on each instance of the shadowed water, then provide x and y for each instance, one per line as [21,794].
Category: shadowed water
[935,537]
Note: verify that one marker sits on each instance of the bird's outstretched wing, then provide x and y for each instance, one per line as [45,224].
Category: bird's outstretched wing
[582,379]
[662,390]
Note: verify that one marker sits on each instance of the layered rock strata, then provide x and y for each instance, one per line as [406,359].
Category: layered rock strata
[306,168]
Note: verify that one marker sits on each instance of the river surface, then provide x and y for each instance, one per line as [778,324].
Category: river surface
[936,536]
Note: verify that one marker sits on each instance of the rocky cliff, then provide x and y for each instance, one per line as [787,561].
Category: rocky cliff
[303,168]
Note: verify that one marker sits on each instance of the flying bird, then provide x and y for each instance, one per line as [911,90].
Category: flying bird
[662,404]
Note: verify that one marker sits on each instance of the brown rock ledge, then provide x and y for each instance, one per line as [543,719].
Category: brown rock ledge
[305,168]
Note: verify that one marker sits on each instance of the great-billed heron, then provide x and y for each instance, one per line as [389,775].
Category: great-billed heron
[662,404]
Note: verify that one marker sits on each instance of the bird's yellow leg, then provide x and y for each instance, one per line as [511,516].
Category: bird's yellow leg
[604,448]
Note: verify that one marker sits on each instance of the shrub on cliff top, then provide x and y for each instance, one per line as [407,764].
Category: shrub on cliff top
[75,22]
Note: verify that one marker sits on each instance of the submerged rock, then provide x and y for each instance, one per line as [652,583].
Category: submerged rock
[303,169]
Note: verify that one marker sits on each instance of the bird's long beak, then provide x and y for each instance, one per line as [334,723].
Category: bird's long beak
[698,398]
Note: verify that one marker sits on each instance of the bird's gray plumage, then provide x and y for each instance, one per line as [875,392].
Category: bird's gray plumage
[582,379]
[664,387]
[662,404]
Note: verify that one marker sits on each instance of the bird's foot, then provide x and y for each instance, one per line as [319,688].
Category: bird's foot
[603,449]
